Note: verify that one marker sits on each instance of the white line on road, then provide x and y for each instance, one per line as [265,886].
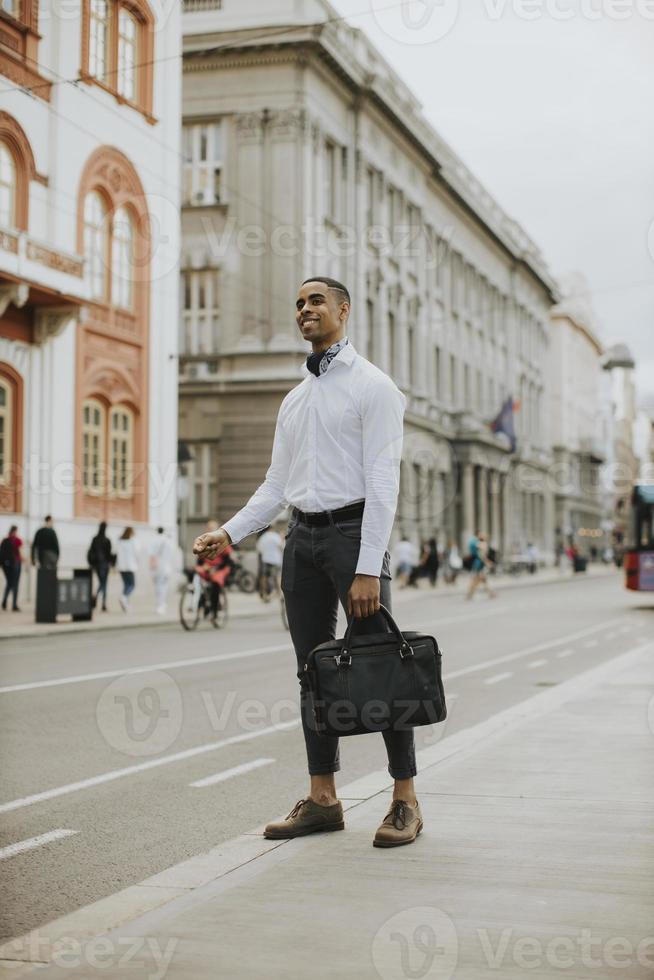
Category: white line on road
[195,661]
[590,643]
[565,653]
[536,663]
[220,777]
[107,777]
[498,677]
[529,651]
[32,842]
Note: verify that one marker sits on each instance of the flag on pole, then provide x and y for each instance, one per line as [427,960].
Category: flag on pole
[504,422]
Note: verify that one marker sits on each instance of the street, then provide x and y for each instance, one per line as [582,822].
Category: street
[123,763]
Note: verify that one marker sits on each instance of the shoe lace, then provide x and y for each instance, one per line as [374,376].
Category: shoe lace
[398,814]
[296,809]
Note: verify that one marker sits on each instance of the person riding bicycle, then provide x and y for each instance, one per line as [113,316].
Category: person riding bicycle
[270,548]
[216,571]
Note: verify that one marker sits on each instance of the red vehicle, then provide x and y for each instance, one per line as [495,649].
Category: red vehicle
[639,553]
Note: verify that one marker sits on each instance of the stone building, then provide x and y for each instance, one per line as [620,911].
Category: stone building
[89,199]
[620,366]
[306,154]
[580,429]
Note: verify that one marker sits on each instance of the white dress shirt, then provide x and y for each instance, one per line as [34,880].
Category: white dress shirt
[338,440]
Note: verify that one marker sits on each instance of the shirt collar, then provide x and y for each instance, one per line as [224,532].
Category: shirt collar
[346,356]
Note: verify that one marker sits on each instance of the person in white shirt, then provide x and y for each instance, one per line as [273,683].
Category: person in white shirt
[161,556]
[405,558]
[270,547]
[336,459]
[127,564]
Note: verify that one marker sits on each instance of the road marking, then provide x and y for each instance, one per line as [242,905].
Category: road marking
[565,653]
[529,651]
[195,661]
[220,777]
[32,842]
[590,643]
[107,777]
[536,663]
[166,665]
[498,677]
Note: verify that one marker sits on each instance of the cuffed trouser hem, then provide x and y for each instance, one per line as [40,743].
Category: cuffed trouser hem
[402,773]
[323,770]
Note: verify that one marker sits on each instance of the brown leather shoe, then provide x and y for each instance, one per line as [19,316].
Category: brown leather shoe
[401,825]
[307,817]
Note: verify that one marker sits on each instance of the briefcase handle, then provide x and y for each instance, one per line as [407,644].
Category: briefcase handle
[405,650]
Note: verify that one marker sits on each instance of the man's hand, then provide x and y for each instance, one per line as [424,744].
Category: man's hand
[211,544]
[363,596]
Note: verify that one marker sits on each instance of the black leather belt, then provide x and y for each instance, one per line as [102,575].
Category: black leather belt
[325,517]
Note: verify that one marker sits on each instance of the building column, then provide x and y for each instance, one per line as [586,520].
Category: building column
[495,528]
[483,500]
[507,531]
[468,497]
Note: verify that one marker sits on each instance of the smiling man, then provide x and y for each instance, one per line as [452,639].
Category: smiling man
[335,460]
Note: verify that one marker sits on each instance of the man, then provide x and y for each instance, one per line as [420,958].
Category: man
[270,547]
[335,459]
[161,554]
[478,548]
[45,546]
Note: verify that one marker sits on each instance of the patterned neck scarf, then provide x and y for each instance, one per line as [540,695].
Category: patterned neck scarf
[319,362]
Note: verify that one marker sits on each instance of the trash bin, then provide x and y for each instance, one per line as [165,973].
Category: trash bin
[46,595]
[57,595]
[580,563]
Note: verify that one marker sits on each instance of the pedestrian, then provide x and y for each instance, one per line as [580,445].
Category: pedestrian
[11,559]
[453,563]
[100,559]
[428,564]
[335,459]
[127,565]
[405,557]
[270,548]
[532,558]
[161,558]
[45,546]
[478,548]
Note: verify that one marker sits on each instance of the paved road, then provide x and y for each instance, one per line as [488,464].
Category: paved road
[99,765]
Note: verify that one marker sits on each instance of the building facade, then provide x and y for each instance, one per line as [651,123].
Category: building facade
[89,248]
[305,154]
[580,428]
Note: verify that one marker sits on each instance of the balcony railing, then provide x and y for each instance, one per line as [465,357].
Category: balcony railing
[191,6]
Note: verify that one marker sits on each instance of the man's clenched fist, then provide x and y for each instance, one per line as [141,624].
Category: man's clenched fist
[211,544]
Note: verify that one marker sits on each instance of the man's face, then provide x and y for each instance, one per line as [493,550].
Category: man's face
[318,313]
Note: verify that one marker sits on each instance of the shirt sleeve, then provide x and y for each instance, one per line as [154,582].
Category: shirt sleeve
[266,502]
[382,424]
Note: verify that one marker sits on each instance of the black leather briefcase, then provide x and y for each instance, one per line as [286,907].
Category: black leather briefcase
[375,681]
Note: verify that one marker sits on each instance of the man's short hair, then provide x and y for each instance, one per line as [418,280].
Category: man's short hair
[48,518]
[332,284]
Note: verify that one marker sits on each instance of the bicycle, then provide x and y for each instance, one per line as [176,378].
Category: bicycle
[195,603]
[241,578]
[269,585]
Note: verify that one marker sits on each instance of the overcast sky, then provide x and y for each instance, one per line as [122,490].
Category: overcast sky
[550,103]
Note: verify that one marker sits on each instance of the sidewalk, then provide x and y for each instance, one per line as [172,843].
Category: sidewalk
[21,624]
[536,861]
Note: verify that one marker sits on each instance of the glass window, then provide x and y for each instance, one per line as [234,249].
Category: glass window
[6,430]
[121,260]
[127,54]
[95,245]
[202,480]
[7,187]
[121,451]
[330,202]
[93,425]
[98,36]
[201,312]
[203,163]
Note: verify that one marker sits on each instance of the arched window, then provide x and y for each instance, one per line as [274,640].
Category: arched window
[6,430]
[98,38]
[93,429]
[7,187]
[121,450]
[127,54]
[95,244]
[121,260]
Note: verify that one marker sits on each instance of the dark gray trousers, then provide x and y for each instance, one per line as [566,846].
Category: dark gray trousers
[317,571]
